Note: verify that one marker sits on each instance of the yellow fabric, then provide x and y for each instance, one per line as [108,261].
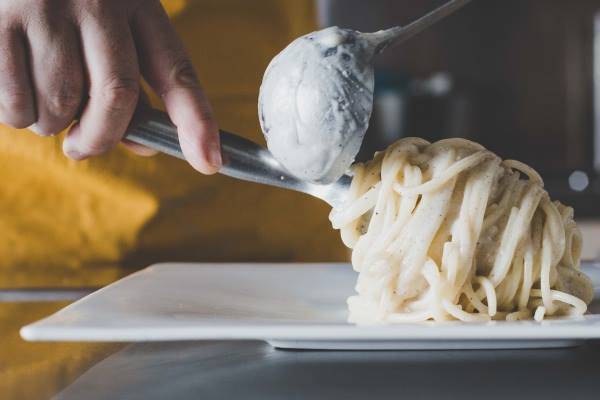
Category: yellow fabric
[71,224]
[68,223]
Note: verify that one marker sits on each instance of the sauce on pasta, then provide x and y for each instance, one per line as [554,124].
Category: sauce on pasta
[449,231]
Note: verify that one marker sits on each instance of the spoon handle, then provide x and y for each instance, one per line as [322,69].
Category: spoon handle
[399,34]
[242,158]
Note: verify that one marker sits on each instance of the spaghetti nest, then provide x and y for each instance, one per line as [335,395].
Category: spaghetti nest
[448,231]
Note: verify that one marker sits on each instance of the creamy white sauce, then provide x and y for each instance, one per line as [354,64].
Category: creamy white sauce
[315,102]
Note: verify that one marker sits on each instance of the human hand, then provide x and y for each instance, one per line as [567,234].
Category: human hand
[64,58]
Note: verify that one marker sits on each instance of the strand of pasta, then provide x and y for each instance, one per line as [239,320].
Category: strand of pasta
[449,231]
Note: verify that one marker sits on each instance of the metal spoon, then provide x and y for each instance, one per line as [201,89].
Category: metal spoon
[242,158]
[245,160]
[316,96]
[398,34]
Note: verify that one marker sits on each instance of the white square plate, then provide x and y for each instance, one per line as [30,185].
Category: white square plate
[287,305]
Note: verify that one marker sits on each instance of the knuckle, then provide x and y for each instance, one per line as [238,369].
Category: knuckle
[121,94]
[15,101]
[183,74]
[16,109]
[94,8]
[65,101]
[207,117]
[100,10]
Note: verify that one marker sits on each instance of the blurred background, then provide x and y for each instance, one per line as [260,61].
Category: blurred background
[520,77]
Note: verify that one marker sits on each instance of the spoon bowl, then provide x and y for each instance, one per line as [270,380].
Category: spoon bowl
[316,96]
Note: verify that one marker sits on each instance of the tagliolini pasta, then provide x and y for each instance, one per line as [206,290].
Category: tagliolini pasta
[448,231]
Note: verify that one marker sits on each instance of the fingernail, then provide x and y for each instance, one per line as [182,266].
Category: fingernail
[35,128]
[75,155]
[215,155]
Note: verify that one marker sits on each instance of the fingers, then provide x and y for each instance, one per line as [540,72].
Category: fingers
[112,68]
[168,70]
[17,107]
[57,74]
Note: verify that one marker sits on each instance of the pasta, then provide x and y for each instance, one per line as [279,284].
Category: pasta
[449,231]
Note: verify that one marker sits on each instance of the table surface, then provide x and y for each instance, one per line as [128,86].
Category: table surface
[254,370]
